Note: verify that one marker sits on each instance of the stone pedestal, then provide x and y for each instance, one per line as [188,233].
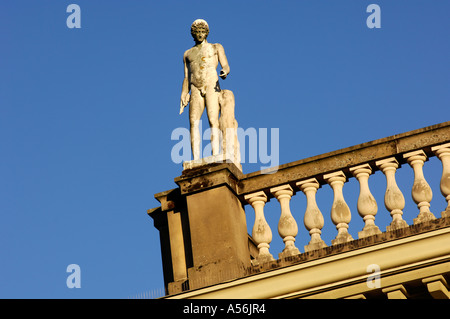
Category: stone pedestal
[213,159]
[217,224]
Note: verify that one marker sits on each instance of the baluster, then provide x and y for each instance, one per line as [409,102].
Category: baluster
[443,153]
[287,226]
[367,205]
[393,198]
[313,219]
[340,212]
[261,233]
[421,192]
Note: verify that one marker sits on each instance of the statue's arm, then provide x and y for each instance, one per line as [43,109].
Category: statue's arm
[184,101]
[223,61]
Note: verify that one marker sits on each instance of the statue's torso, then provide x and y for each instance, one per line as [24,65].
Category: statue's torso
[202,63]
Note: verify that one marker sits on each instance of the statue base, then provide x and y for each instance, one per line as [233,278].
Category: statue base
[221,158]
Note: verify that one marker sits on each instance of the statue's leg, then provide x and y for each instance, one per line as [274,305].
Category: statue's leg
[196,107]
[212,109]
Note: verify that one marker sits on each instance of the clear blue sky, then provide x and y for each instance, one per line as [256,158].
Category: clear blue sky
[86,117]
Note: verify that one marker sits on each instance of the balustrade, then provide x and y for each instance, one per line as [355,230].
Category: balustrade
[443,153]
[340,213]
[208,205]
[393,198]
[313,219]
[261,233]
[287,226]
[421,192]
[367,205]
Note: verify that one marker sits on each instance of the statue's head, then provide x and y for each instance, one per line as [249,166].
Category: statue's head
[199,30]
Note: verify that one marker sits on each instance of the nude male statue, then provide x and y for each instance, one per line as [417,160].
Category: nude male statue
[200,78]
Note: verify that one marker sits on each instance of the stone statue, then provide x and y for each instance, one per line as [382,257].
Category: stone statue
[201,79]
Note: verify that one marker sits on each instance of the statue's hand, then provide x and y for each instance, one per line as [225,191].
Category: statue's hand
[223,74]
[184,102]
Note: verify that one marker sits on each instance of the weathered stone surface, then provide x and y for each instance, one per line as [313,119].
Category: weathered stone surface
[208,207]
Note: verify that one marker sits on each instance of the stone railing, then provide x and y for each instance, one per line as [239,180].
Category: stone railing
[203,225]
[335,169]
